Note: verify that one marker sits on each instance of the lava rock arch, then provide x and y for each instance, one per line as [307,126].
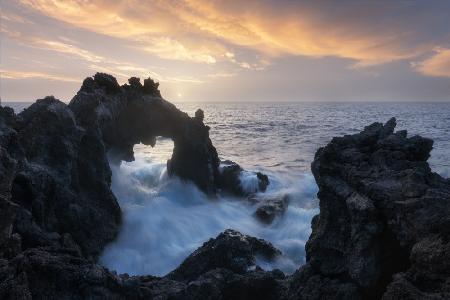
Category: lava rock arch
[134,113]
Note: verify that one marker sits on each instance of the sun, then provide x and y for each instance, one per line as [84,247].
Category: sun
[179,95]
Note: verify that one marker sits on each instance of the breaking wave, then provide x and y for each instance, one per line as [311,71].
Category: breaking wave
[165,219]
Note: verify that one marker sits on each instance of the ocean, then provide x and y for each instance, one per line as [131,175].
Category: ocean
[166,219]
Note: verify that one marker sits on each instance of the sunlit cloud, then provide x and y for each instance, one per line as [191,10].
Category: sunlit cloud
[150,26]
[10,17]
[66,49]
[182,79]
[232,49]
[97,63]
[123,72]
[15,75]
[184,30]
[438,65]
[221,75]
[171,49]
[52,45]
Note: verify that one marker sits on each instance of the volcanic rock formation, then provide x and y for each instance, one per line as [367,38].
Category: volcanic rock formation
[230,180]
[382,232]
[125,116]
[383,227]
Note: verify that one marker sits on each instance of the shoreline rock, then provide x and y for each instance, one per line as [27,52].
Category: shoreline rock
[125,116]
[230,180]
[380,204]
[382,231]
[230,250]
[269,209]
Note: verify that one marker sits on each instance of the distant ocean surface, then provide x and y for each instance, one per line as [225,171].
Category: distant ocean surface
[165,219]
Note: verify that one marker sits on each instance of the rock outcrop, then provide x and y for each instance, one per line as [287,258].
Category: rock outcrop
[61,273]
[230,180]
[61,181]
[56,206]
[382,232]
[271,208]
[383,227]
[231,250]
[123,116]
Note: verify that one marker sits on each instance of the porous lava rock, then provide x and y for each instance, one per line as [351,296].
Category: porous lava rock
[230,250]
[383,227]
[382,231]
[271,208]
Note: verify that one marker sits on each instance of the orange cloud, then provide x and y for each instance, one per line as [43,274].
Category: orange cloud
[52,45]
[204,31]
[122,69]
[150,26]
[14,74]
[437,65]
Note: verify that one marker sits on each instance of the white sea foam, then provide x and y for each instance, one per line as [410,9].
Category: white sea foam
[166,219]
[249,181]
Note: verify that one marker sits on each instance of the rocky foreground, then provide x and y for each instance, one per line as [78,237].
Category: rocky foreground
[383,230]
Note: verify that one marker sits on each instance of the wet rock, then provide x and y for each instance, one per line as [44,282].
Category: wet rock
[63,185]
[137,114]
[57,209]
[263,181]
[231,181]
[7,217]
[429,275]
[229,177]
[59,274]
[307,283]
[271,208]
[224,284]
[382,232]
[379,205]
[230,250]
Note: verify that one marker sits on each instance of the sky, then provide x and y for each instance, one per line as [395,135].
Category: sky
[234,50]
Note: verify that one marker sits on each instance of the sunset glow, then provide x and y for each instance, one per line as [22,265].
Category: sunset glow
[230,50]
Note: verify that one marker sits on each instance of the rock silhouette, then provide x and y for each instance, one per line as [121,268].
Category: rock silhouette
[124,116]
[382,232]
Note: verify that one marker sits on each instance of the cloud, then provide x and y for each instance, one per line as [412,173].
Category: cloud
[97,63]
[65,49]
[438,65]
[14,74]
[149,26]
[11,17]
[168,48]
[221,75]
[52,45]
[123,72]
[204,31]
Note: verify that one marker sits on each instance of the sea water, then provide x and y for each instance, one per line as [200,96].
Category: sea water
[166,219]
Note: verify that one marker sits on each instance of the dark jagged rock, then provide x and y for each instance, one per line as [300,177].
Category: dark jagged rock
[382,232]
[69,277]
[137,114]
[271,208]
[230,180]
[384,218]
[229,177]
[230,250]
[263,181]
[199,115]
[151,87]
[7,215]
[57,211]
[62,181]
